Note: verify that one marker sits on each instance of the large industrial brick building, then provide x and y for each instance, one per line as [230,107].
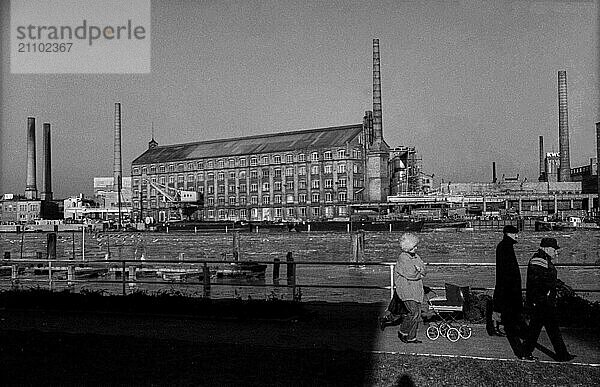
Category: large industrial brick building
[309,174]
[300,175]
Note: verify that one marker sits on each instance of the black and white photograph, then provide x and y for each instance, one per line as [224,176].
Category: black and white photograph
[300,193]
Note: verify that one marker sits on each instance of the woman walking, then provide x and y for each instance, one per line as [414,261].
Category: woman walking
[409,273]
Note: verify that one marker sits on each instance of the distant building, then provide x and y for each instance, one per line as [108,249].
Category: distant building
[587,175]
[105,195]
[551,167]
[405,172]
[509,197]
[79,208]
[18,210]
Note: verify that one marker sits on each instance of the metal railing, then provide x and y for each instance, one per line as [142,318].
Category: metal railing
[127,270]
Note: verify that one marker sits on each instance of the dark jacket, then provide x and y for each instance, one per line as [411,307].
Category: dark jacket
[541,280]
[507,293]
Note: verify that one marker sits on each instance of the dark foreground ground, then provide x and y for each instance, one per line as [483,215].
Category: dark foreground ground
[36,358]
[325,344]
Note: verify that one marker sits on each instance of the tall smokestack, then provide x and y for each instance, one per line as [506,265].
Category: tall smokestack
[494,180]
[564,173]
[117,164]
[542,163]
[47,193]
[598,159]
[31,187]
[377,124]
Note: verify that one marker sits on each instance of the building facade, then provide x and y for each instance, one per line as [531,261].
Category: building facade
[292,176]
[19,210]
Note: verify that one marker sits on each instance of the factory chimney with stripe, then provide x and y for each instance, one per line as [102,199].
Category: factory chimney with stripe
[117,162]
[378,152]
[542,176]
[31,187]
[564,172]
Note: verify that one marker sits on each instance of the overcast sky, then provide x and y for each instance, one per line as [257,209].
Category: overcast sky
[465,82]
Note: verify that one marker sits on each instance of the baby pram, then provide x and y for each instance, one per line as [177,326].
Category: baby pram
[453,303]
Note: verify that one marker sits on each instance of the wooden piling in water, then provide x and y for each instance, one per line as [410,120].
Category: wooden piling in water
[123,278]
[51,245]
[358,246]
[7,255]
[236,246]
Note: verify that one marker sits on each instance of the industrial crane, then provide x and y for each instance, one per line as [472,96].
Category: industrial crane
[187,202]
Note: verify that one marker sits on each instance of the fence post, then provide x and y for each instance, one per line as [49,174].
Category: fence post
[206,274]
[13,275]
[83,243]
[276,269]
[392,266]
[123,278]
[70,275]
[132,276]
[291,273]
[50,274]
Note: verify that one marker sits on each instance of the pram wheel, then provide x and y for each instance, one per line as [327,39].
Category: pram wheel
[443,327]
[453,335]
[465,331]
[433,332]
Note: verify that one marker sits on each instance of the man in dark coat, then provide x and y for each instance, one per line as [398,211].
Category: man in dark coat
[508,300]
[541,300]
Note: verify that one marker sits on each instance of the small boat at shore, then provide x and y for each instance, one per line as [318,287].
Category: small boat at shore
[242,269]
[439,224]
[574,223]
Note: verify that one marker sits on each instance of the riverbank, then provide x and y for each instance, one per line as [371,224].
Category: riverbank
[329,344]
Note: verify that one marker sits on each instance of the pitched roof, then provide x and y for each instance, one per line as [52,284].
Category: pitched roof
[266,143]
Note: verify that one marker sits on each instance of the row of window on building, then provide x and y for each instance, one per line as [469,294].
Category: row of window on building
[13,211]
[278,213]
[254,174]
[242,162]
[303,198]
[253,187]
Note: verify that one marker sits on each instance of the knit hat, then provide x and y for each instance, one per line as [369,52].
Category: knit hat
[549,242]
[510,229]
[408,242]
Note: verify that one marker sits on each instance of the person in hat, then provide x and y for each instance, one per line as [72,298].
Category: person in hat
[408,276]
[541,300]
[508,299]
